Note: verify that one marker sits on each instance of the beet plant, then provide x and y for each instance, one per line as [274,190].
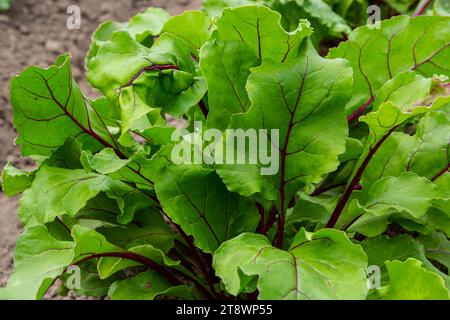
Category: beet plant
[288,175]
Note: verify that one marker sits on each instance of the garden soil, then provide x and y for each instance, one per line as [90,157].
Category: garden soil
[33,32]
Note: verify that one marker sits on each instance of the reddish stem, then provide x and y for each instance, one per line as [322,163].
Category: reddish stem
[272,218]
[136,258]
[88,131]
[146,69]
[204,109]
[262,223]
[202,264]
[421,8]
[355,181]
[442,172]
[361,109]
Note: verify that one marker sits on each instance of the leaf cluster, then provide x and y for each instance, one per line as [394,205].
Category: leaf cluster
[363,151]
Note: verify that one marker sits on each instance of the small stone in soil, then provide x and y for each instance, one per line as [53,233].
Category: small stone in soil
[52,46]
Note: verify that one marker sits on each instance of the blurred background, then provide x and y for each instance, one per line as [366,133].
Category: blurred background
[34,32]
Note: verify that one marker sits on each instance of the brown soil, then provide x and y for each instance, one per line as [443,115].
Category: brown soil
[34,32]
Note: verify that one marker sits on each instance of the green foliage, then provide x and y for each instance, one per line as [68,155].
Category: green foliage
[311,269]
[401,44]
[332,20]
[363,158]
[5,5]
[426,285]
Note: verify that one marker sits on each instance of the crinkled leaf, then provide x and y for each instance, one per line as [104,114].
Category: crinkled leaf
[109,266]
[146,286]
[89,242]
[118,60]
[410,281]
[215,7]
[90,283]
[122,62]
[158,135]
[147,24]
[313,267]
[382,123]
[260,28]
[100,211]
[194,27]
[389,116]
[104,162]
[15,181]
[137,169]
[141,27]
[39,259]
[425,153]
[49,108]
[325,15]
[302,101]
[439,220]
[401,43]
[132,109]
[66,156]
[408,192]
[402,6]
[437,248]
[129,200]
[101,35]
[318,12]
[226,67]
[149,228]
[406,203]
[404,90]
[197,200]
[382,248]
[58,192]
[312,208]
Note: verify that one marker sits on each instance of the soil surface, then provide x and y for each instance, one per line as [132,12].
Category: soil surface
[33,32]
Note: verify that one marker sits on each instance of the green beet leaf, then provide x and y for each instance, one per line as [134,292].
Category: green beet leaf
[39,259]
[400,44]
[198,201]
[15,181]
[146,286]
[333,182]
[285,97]
[410,281]
[312,268]
[48,112]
